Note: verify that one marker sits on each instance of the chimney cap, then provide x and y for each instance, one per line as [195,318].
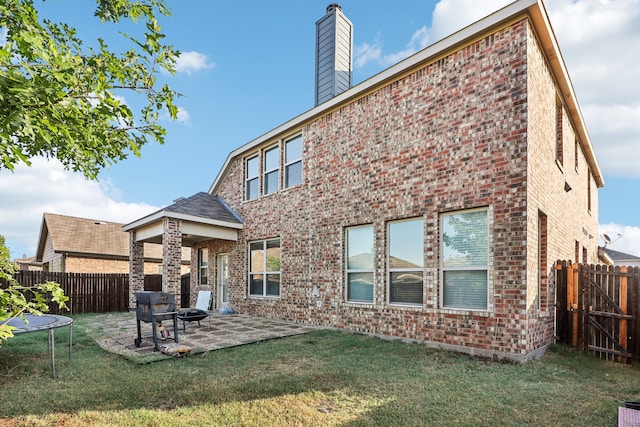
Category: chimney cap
[333,6]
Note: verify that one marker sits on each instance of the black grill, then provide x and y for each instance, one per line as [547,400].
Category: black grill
[152,307]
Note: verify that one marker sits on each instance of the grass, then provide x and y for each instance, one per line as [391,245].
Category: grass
[324,378]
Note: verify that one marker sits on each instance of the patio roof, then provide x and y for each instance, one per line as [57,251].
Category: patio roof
[203,217]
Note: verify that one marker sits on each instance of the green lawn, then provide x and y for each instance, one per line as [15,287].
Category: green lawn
[321,378]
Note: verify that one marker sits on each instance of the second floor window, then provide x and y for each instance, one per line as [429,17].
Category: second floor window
[252,173]
[271,165]
[293,162]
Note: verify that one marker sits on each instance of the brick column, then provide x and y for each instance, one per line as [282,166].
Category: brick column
[136,268]
[172,257]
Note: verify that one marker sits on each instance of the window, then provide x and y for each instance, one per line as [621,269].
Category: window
[589,190]
[264,268]
[360,264]
[406,261]
[559,147]
[464,259]
[293,162]
[271,162]
[203,266]
[252,172]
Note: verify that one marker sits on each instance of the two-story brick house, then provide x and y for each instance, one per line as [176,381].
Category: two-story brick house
[428,202]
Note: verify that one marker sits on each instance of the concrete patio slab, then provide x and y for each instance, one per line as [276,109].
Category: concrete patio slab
[116,332]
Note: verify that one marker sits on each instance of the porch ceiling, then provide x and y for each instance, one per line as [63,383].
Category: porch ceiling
[192,232]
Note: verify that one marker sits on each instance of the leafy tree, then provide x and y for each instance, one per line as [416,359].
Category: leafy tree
[13,302]
[61,99]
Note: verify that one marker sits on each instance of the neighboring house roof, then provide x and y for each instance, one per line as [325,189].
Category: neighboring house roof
[533,9]
[621,257]
[27,263]
[89,237]
[197,211]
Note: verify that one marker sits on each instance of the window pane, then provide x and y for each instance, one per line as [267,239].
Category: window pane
[271,182]
[271,159]
[360,248]
[465,289]
[252,167]
[293,174]
[406,287]
[256,261]
[273,255]
[252,189]
[256,284]
[293,149]
[273,284]
[465,240]
[406,247]
[360,287]
[203,261]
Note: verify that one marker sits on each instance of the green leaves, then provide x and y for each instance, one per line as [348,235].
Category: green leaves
[60,99]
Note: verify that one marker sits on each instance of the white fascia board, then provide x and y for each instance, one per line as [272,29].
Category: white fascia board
[507,12]
[157,216]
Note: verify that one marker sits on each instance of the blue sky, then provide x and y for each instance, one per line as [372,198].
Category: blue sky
[248,66]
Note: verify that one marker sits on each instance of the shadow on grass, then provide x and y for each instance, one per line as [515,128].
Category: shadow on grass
[322,378]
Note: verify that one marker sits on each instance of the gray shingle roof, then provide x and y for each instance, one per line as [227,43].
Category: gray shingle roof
[204,205]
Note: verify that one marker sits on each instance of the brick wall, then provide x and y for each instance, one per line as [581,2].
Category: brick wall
[450,135]
[570,222]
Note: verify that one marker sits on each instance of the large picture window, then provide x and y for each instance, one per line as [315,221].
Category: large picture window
[252,174]
[465,259]
[271,165]
[293,162]
[203,266]
[406,261]
[264,268]
[360,260]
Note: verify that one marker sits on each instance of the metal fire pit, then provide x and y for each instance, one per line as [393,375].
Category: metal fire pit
[191,315]
[152,307]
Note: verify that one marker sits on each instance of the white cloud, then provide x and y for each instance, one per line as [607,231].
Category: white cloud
[183,116]
[628,240]
[450,16]
[366,53]
[599,43]
[29,192]
[189,62]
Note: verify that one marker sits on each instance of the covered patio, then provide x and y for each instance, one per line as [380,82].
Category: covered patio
[185,223]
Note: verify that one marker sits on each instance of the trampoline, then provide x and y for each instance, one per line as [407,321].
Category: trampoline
[46,322]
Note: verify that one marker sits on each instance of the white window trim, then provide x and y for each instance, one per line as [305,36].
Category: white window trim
[266,172]
[487,269]
[292,162]
[348,270]
[396,270]
[264,272]
[247,178]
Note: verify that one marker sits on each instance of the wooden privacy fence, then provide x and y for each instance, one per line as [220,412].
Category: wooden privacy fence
[598,309]
[95,292]
[87,292]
